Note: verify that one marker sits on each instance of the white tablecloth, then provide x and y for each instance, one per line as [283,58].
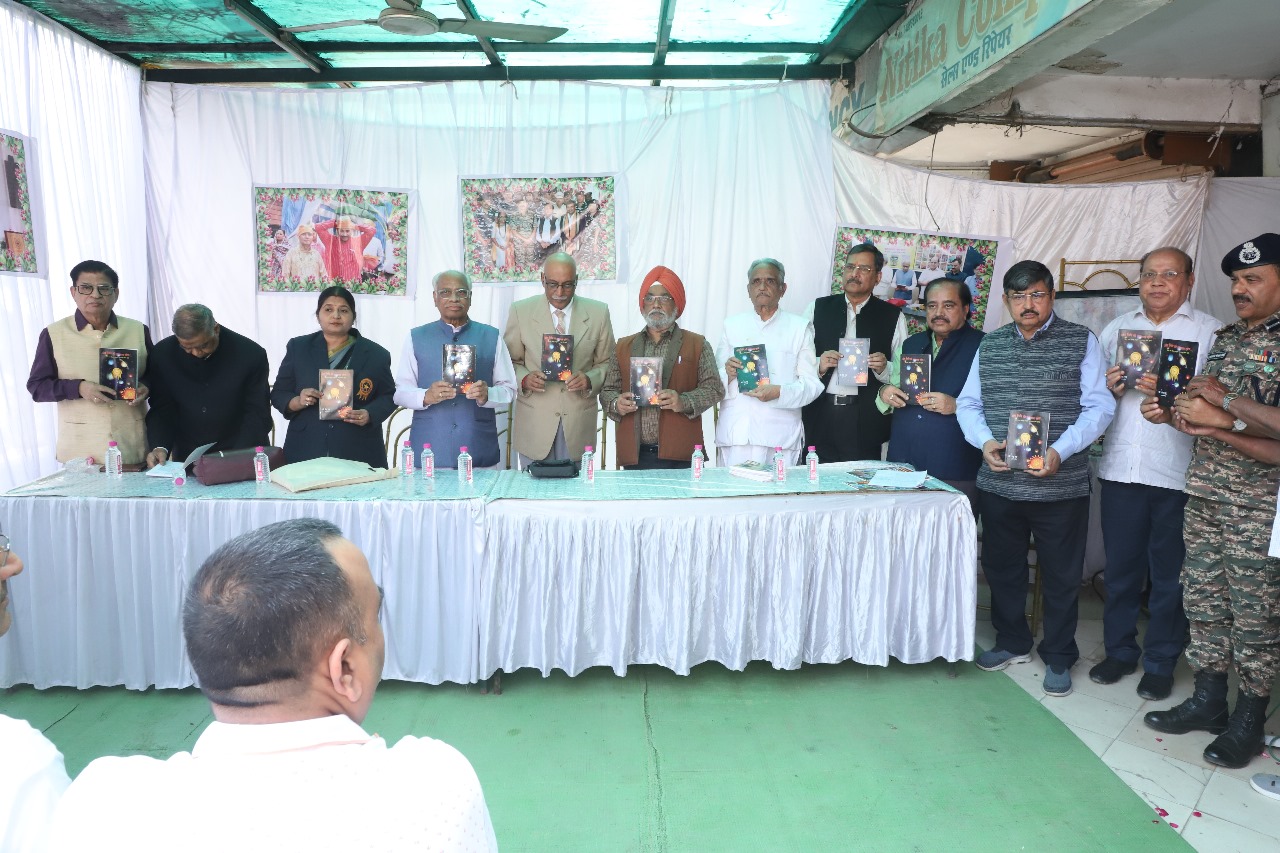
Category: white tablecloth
[787,579]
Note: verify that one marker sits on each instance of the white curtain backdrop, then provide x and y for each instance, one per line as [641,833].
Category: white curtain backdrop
[1239,209]
[1045,223]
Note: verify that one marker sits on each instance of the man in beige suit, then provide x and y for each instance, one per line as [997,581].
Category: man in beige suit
[554,419]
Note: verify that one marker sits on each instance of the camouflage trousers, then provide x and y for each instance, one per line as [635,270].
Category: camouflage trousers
[1231,593]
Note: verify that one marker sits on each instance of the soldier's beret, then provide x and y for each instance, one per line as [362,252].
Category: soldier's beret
[1263,249]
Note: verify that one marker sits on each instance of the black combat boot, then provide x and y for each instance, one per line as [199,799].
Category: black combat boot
[1243,738]
[1206,710]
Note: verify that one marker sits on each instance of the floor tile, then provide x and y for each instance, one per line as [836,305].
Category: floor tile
[1188,747]
[1233,800]
[1159,779]
[1123,692]
[1096,742]
[1088,712]
[1209,834]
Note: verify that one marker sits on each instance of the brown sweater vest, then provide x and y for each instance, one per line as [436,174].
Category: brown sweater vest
[677,434]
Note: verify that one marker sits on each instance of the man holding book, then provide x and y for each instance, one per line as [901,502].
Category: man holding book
[658,427]
[454,414]
[843,423]
[1231,574]
[67,370]
[925,431]
[1142,475]
[1040,381]
[555,410]
[761,409]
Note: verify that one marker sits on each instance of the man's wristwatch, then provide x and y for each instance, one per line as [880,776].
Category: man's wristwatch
[1227,400]
[1238,426]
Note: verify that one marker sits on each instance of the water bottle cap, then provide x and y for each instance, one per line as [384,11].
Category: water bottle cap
[111,444]
[178,481]
[588,448]
[812,448]
[463,448]
[88,460]
[258,448]
[407,444]
[777,450]
[426,446]
[697,447]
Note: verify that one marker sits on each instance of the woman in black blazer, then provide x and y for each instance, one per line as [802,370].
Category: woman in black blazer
[357,434]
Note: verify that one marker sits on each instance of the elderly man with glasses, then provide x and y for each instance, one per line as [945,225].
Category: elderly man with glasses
[556,418]
[67,364]
[659,426]
[1039,363]
[446,415]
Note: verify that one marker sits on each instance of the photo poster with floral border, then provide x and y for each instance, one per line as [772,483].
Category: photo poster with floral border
[914,250]
[511,224]
[287,217]
[21,251]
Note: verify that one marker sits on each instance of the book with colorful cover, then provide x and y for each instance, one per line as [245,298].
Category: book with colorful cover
[336,389]
[1137,351]
[646,379]
[852,369]
[1176,367]
[118,370]
[557,357]
[755,367]
[460,365]
[1028,440]
[914,375]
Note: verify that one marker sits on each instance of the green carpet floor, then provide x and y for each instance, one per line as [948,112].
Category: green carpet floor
[841,757]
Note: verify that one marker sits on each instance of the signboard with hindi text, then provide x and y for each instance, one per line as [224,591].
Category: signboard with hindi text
[941,46]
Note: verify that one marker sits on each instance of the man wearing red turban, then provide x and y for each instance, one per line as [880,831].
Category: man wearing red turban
[671,378]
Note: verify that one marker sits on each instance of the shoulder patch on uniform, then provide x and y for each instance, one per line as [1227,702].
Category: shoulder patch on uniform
[1216,355]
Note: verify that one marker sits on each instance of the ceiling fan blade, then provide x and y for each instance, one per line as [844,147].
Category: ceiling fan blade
[499,30]
[311,28]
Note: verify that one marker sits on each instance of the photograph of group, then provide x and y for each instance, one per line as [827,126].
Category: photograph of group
[18,246]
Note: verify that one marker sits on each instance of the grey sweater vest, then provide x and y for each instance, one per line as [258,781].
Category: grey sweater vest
[1039,375]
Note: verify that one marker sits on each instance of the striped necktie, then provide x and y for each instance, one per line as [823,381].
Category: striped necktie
[559,322]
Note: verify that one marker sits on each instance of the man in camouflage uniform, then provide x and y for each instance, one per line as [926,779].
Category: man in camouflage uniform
[1229,581]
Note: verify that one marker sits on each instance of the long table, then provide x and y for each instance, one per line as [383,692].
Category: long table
[639,568]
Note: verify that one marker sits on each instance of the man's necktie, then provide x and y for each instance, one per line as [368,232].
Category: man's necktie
[559,322]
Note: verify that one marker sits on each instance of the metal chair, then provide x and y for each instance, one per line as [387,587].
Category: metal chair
[392,447]
[1036,580]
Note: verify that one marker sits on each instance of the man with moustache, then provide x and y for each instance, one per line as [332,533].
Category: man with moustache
[343,251]
[1142,475]
[1230,578]
[843,423]
[1038,363]
[662,435]
[925,432]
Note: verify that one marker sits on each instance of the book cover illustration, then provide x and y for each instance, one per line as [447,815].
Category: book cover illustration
[1177,366]
[557,357]
[755,367]
[1136,353]
[118,370]
[459,365]
[914,374]
[1027,442]
[336,387]
[646,379]
[852,370]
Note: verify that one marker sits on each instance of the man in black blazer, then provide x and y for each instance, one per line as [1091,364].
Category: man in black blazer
[208,384]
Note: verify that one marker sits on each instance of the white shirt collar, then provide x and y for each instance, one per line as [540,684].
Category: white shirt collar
[223,739]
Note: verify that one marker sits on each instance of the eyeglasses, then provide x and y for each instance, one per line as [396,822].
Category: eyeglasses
[1019,298]
[862,268]
[1167,275]
[460,295]
[560,285]
[103,289]
[659,300]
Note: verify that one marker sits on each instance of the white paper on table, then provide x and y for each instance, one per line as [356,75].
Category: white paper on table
[173,469]
[898,479]
[1273,550]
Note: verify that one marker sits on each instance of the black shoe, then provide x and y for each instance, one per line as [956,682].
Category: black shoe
[1111,670]
[1154,686]
[1243,739]
[1206,710]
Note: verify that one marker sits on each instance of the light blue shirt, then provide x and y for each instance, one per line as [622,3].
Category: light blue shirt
[1096,403]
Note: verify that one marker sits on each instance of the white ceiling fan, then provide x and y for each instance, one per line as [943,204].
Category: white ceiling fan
[406,18]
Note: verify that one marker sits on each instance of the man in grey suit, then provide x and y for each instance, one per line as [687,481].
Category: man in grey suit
[556,419]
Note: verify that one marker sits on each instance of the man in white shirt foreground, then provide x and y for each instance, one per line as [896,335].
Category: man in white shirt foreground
[281,626]
[1143,472]
[753,423]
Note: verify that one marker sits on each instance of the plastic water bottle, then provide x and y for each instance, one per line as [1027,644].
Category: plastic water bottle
[588,471]
[697,462]
[811,459]
[115,461]
[779,466]
[406,459]
[428,462]
[465,475]
[261,467]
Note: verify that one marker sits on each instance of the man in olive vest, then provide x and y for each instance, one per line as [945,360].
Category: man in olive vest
[660,430]
[66,369]
[1039,363]
[843,423]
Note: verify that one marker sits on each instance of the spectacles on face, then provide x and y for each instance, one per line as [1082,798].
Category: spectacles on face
[659,300]
[1037,296]
[447,295]
[560,285]
[103,289]
[862,268]
[1168,275]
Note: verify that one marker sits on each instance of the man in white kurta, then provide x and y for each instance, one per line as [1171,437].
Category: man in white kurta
[281,625]
[753,423]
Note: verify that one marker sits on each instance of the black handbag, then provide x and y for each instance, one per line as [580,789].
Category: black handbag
[553,469]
